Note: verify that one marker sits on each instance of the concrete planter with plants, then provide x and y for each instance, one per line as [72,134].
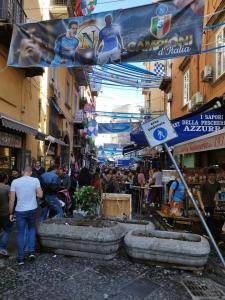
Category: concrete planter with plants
[177,248]
[85,238]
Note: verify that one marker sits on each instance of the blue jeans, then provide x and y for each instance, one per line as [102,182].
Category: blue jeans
[54,204]
[26,220]
[7,228]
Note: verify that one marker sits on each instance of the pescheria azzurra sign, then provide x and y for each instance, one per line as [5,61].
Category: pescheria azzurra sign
[190,126]
[166,29]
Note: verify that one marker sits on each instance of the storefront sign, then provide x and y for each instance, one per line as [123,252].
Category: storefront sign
[10,140]
[190,126]
[155,31]
[88,107]
[79,117]
[205,144]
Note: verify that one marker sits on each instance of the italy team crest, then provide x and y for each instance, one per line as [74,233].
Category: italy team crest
[161,23]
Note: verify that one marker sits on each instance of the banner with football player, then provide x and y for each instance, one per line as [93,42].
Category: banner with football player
[166,29]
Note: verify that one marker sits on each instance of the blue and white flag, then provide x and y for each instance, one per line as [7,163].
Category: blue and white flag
[159,69]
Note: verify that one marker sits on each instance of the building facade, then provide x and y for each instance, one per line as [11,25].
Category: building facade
[195,82]
[38,106]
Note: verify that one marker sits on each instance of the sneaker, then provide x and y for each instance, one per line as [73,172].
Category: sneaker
[4,252]
[20,263]
[32,257]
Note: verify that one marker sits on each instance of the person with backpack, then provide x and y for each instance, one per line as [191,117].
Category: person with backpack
[50,183]
[176,196]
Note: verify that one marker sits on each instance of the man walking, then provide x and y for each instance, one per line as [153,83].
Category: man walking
[38,170]
[5,224]
[207,198]
[26,189]
[51,185]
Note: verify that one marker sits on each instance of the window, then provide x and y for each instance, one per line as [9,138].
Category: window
[220,54]
[186,87]
[68,93]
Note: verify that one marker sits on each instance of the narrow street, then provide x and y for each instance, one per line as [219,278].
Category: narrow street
[53,276]
[112,149]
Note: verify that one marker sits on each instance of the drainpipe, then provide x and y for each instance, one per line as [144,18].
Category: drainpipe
[198,73]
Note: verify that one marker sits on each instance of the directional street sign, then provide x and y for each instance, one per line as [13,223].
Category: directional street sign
[159,131]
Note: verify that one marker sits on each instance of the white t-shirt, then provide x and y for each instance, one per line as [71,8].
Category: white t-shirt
[25,188]
[158,178]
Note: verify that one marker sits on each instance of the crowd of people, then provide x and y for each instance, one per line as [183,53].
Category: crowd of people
[53,192]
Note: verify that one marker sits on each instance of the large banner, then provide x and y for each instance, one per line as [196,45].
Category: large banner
[190,126]
[110,128]
[162,30]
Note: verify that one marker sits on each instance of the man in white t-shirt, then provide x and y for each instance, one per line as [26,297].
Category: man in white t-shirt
[156,184]
[26,189]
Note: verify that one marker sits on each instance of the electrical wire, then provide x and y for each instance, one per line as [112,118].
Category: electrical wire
[119,76]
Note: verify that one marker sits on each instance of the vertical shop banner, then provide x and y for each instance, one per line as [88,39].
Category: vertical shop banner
[162,30]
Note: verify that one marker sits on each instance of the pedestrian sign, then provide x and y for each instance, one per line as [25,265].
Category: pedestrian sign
[159,131]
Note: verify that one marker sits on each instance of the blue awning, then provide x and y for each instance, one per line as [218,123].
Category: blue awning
[209,118]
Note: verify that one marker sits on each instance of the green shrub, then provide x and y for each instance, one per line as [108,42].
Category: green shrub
[87,199]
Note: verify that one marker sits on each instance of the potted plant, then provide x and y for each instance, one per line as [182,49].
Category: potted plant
[87,199]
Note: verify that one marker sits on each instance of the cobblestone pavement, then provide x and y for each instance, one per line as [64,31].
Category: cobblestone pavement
[61,277]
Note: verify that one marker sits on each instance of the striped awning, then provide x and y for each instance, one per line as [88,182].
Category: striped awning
[20,126]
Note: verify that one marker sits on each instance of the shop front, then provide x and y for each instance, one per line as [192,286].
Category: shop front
[203,151]
[13,152]
[10,145]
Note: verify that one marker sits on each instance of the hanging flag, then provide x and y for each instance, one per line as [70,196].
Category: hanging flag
[110,128]
[156,31]
[159,69]
[84,7]
[78,11]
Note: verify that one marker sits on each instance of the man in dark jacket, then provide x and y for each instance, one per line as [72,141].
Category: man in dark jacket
[207,198]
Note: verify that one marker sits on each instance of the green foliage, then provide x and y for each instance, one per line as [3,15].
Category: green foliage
[87,199]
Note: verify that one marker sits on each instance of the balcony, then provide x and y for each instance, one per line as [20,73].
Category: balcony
[11,11]
[58,9]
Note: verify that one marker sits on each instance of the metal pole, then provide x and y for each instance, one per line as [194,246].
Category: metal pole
[46,153]
[195,205]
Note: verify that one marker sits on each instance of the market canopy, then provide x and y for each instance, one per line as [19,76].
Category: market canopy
[126,75]
[156,31]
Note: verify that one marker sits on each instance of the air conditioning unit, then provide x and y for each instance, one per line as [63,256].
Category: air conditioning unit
[197,99]
[169,97]
[207,73]
[190,105]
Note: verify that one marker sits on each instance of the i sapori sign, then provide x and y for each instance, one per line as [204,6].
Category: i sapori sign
[205,144]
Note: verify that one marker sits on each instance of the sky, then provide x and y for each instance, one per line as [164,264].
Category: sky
[106,5]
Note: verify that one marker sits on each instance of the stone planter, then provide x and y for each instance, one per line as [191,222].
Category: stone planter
[134,224]
[177,248]
[85,238]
